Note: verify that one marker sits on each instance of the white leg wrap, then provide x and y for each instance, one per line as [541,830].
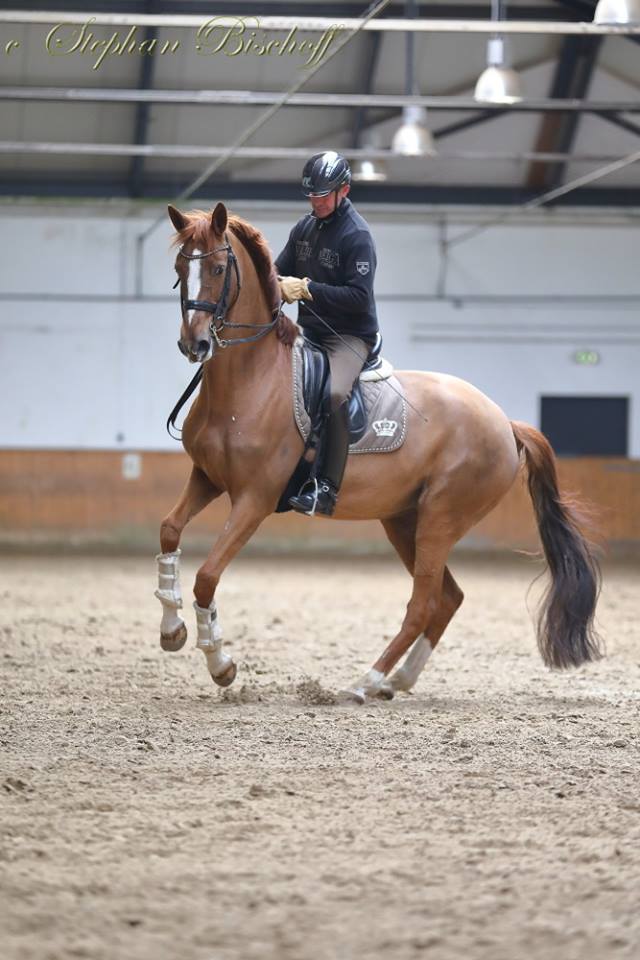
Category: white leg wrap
[405,677]
[168,592]
[210,639]
[367,686]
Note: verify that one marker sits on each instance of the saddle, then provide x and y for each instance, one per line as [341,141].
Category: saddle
[316,386]
[377,413]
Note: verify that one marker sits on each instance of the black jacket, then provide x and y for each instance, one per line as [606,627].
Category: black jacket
[339,257]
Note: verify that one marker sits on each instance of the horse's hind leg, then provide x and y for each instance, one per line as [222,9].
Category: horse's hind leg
[433,540]
[198,492]
[406,676]
[401,532]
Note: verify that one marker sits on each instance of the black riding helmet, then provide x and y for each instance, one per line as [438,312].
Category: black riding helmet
[323,173]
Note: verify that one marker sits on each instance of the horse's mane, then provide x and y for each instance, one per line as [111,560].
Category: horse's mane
[198,230]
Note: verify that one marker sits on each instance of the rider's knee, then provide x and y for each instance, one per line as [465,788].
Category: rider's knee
[336,399]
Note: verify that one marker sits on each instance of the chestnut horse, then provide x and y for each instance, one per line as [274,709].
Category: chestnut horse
[242,438]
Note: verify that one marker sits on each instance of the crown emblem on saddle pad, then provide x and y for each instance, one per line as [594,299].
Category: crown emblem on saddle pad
[385,428]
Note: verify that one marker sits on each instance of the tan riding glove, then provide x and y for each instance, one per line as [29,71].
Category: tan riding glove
[293,289]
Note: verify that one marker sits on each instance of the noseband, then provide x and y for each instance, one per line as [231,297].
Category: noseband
[220,309]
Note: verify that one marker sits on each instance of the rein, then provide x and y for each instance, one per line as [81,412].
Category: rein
[171,419]
[219,320]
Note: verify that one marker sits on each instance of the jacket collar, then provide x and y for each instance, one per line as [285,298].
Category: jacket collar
[345,205]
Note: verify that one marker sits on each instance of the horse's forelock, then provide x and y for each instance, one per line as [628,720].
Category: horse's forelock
[197,229]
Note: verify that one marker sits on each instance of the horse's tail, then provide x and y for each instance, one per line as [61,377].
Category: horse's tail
[566,634]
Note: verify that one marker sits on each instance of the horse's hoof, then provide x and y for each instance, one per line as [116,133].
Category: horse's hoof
[353,695]
[226,678]
[174,641]
[385,692]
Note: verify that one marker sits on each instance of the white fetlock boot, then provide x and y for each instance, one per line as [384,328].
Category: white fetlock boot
[371,685]
[173,630]
[220,666]
[407,675]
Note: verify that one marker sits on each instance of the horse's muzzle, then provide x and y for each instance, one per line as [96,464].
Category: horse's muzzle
[196,352]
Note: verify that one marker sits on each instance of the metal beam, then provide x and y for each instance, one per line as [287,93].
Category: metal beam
[143,108]
[193,152]
[459,125]
[322,24]
[281,8]
[549,196]
[572,78]
[584,10]
[620,122]
[372,55]
[451,195]
[588,51]
[250,98]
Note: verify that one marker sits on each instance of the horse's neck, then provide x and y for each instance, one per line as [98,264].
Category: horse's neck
[243,369]
[246,373]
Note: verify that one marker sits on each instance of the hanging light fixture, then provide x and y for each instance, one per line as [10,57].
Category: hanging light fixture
[368,171]
[498,83]
[412,138]
[620,12]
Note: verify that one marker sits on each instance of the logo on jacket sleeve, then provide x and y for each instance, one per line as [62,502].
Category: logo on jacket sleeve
[363,267]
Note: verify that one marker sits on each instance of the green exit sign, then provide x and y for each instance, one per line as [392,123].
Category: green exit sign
[587,358]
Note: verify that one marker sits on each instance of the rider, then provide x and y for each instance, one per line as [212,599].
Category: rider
[330,261]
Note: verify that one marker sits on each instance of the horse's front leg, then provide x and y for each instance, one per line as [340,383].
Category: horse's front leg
[246,516]
[198,492]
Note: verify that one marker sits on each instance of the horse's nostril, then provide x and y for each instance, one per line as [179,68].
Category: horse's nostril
[182,348]
[203,347]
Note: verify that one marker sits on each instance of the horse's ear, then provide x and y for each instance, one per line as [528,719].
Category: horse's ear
[219,219]
[177,219]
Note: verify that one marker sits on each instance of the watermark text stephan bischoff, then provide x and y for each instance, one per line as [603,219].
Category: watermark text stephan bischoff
[220,36]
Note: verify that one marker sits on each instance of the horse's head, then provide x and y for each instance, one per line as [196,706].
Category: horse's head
[208,282]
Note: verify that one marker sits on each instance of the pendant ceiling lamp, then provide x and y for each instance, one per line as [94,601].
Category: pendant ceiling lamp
[412,138]
[498,83]
[620,12]
[368,171]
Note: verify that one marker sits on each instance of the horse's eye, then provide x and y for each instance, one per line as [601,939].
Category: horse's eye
[218,270]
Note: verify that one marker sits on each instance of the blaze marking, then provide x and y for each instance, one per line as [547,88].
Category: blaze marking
[194,281]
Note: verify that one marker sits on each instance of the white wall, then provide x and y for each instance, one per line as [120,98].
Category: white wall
[84,363]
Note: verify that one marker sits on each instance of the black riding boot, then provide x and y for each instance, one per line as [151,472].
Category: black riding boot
[334,452]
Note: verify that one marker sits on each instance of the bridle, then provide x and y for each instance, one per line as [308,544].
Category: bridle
[219,320]
[219,309]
